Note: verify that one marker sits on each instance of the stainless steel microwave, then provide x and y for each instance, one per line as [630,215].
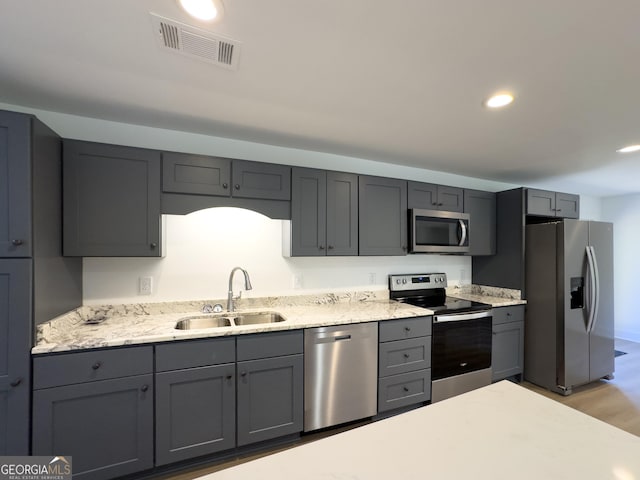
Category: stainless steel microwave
[434,231]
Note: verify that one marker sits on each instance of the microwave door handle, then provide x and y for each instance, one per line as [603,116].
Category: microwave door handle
[463,233]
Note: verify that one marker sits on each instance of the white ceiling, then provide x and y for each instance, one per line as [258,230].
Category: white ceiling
[400,82]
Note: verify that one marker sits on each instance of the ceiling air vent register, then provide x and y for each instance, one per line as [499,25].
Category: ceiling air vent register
[196,43]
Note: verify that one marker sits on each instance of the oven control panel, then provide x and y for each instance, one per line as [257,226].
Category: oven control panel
[417,281]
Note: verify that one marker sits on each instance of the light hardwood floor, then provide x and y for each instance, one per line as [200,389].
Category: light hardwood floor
[616,402]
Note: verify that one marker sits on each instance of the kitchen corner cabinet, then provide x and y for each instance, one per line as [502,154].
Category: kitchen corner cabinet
[507,349]
[382,219]
[435,197]
[195,398]
[552,204]
[270,386]
[324,213]
[111,200]
[225,177]
[96,406]
[404,362]
[481,207]
[15,367]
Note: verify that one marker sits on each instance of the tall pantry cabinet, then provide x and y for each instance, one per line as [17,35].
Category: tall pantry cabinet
[36,282]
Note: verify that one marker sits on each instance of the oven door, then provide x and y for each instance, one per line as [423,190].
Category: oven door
[432,231]
[461,343]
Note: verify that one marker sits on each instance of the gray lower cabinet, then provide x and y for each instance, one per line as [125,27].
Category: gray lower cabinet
[404,362]
[270,385]
[507,350]
[481,207]
[552,204]
[435,197]
[15,368]
[382,216]
[111,201]
[104,422]
[324,213]
[195,399]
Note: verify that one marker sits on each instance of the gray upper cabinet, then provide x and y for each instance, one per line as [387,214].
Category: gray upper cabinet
[481,207]
[205,175]
[552,204]
[195,174]
[15,364]
[15,185]
[382,207]
[111,201]
[324,212]
[435,197]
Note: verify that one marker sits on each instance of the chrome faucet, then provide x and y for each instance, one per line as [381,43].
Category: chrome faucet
[247,286]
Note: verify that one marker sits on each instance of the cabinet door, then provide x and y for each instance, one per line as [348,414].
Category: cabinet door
[450,199]
[382,207]
[261,180]
[15,344]
[342,214]
[15,185]
[481,207]
[270,401]
[195,412]
[196,174]
[567,205]
[541,202]
[106,426]
[422,195]
[507,354]
[111,201]
[308,212]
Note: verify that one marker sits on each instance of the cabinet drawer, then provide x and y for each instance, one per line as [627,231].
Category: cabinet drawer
[406,328]
[508,314]
[265,345]
[404,356]
[199,353]
[404,390]
[91,366]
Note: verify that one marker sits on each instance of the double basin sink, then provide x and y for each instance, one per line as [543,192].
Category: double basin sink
[229,319]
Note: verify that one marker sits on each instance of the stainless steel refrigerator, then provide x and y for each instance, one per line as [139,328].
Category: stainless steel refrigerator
[569,290]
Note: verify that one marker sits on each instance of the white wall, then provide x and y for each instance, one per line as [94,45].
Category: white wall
[624,212]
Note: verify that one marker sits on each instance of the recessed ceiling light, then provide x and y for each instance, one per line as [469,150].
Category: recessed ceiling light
[499,100]
[629,149]
[206,10]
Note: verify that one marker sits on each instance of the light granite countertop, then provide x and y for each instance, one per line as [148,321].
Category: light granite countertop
[133,324]
[499,432]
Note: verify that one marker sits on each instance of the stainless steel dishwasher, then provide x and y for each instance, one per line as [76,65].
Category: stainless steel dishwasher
[340,374]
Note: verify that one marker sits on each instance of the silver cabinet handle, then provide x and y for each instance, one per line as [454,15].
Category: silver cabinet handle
[17,242]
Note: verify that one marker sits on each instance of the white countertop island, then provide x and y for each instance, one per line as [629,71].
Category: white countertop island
[502,431]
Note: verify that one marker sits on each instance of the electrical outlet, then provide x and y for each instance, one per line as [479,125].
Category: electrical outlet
[372,278]
[145,285]
[297,280]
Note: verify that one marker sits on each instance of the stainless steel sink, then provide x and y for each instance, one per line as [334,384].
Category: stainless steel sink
[228,320]
[257,318]
[205,321]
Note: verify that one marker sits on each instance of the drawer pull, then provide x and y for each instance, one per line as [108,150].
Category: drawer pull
[96,365]
[229,377]
[243,374]
[237,185]
[406,355]
[17,242]
[508,314]
[406,389]
[16,382]
[225,185]
[407,329]
[144,388]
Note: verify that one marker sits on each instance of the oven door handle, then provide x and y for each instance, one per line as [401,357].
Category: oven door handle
[455,317]
[463,233]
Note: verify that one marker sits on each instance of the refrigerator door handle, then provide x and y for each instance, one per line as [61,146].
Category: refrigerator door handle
[596,301]
[593,287]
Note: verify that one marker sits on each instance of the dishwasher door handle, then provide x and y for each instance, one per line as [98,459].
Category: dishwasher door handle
[342,337]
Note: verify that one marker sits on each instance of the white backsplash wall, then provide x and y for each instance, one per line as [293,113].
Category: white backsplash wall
[202,248]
